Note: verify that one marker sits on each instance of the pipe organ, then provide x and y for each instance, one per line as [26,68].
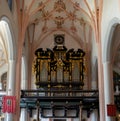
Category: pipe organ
[59,68]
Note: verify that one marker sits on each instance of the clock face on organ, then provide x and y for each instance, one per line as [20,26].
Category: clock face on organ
[59,39]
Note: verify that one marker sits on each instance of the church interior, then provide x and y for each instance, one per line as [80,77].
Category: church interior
[59,60]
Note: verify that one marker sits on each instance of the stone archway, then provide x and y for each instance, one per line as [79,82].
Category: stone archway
[7,42]
[109,52]
[115,59]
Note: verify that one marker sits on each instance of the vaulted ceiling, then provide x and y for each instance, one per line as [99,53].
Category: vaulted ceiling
[74,18]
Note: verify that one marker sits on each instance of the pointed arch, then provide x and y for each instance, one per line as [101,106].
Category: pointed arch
[108,43]
[8,44]
[8,39]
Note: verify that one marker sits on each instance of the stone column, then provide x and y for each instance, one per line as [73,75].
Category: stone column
[10,85]
[80,113]
[24,114]
[94,115]
[108,87]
